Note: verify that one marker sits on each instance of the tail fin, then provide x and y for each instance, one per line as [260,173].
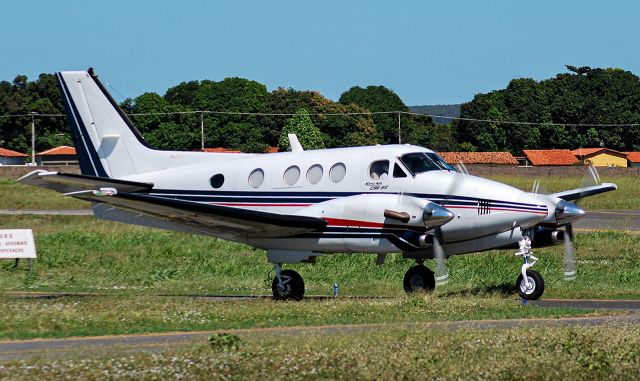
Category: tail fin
[107,143]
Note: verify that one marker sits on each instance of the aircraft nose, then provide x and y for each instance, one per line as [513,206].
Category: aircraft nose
[436,215]
[568,212]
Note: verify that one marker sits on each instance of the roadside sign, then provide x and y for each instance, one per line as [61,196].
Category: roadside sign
[17,244]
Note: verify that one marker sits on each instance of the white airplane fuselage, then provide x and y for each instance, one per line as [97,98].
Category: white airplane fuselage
[488,214]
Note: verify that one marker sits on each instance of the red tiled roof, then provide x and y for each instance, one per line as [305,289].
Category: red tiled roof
[633,157]
[220,150]
[9,153]
[582,152]
[62,150]
[550,156]
[273,150]
[479,157]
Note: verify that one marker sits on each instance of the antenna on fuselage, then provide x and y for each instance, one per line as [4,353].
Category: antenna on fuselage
[294,143]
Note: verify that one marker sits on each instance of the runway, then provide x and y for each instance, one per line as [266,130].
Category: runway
[156,342]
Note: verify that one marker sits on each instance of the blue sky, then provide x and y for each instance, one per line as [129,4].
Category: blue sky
[428,52]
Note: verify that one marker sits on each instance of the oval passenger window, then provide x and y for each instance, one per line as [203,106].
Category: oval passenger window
[256,178]
[292,175]
[337,172]
[314,174]
[217,180]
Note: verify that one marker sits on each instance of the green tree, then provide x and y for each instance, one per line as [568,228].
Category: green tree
[301,125]
[380,99]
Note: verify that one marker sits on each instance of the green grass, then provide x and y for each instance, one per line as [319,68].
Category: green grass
[28,317]
[20,196]
[86,254]
[131,266]
[584,353]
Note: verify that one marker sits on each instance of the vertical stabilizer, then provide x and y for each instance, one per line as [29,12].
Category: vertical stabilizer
[107,143]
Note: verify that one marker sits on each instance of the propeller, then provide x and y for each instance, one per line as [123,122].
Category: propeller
[591,177]
[566,212]
[440,256]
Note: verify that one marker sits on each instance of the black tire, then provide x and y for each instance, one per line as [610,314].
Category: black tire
[419,278]
[535,292]
[293,287]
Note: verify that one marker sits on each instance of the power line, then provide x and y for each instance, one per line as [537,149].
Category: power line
[202,112]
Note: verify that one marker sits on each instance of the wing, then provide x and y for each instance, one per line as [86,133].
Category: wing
[575,194]
[69,183]
[220,221]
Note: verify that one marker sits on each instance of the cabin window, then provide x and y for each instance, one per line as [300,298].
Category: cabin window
[217,180]
[337,172]
[397,171]
[314,174]
[379,170]
[256,178]
[292,175]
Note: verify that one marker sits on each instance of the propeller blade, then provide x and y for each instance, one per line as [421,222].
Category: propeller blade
[539,188]
[442,272]
[590,178]
[570,270]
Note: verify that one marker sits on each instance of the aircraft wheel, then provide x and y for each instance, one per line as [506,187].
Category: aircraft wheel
[419,278]
[292,287]
[536,285]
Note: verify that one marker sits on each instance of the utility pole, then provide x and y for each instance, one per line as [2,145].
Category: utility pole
[202,131]
[399,129]
[33,137]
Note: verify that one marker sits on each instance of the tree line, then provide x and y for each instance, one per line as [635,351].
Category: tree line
[553,107]
[560,111]
[169,127]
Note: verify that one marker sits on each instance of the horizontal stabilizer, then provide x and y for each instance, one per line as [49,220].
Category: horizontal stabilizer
[222,221]
[575,194]
[69,183]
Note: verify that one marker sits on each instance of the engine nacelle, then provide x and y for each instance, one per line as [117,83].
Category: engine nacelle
[544,237]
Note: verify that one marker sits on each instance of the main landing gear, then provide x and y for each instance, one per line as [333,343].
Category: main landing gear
[419,278]
[287,284]
[530,283]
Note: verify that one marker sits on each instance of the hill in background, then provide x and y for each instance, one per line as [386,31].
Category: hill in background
[441,110]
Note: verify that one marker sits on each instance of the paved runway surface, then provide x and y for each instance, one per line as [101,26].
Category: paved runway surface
[155,342]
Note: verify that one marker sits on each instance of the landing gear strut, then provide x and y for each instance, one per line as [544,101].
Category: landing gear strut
[287,284]
[419,278]
[530,283]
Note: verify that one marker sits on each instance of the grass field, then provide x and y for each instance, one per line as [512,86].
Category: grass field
[131,267]
[85,254]
[584,353]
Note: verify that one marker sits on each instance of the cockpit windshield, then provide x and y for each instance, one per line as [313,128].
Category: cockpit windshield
[420,162]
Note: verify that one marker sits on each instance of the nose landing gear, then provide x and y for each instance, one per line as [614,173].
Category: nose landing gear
[530,283]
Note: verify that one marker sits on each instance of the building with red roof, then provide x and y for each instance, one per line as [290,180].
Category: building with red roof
[499,158]
[601,157]
[9,157]
[550,157]
[220,150]
[633,159]
[63,155]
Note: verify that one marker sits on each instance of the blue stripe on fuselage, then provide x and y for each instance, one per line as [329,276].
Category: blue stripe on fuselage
[317,197]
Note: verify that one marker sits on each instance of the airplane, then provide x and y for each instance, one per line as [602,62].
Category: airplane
[301,204]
